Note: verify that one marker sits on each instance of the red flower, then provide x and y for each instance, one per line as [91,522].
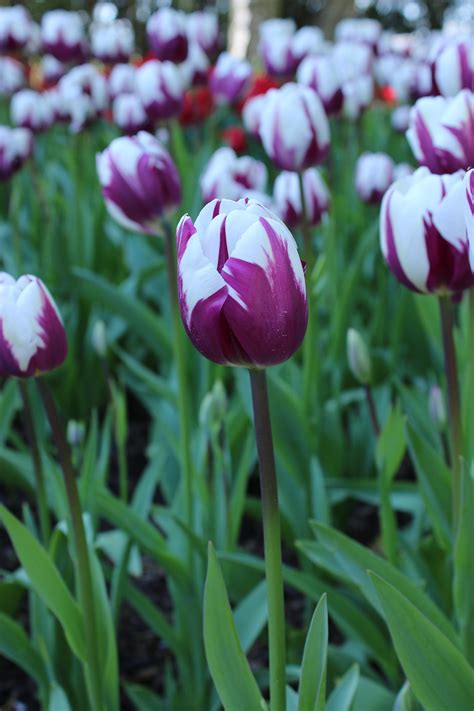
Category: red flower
[388,94]
[235,137]
[260,85]
[198,104]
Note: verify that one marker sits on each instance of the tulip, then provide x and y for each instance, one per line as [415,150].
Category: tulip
[307,41]
[287,197]
[423,233]
[454,67]
[294,127]
[421,81]
[12,76]
[241,285]
[441,133]
[34,45]
[15,28]
[402,170]
[84,94]
[228,177]
[277,55]
[113,43]
[317,72]
[358,357]
[32,336]
[251,113]
[230,78]
[159,86]
[374,174]
[16,146]
[122,80]
[63,35]
[363,30]
[52,69]
[167,37]
[129,114]
[401,118]
[469,212]
[357,96]
[351,60]
[194,70]
[203,30]
[32,110]
[139,181]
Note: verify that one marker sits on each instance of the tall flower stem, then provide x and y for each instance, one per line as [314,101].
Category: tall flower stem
[180,360]
[82,562]
[272,538]
[43,513]
[454,401]
[372,410]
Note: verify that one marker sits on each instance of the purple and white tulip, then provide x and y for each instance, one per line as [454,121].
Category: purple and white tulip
[351,60]
[423,233]
[194,69]
[251,113]
[129,114]
[140,182]
[358,94]
[373,176]
[203,30]
[294,127]
[32,335]
[364,30]
[317,72]
[32,110]
[52,69]
[15,28]
[84,94]
[400,118]
[12,76]
[241,285]
[454,67]
[63,35]
[287,197]
[160,87]
[113,43]
[441,132]
[277,55]
[227,176]
[122,80]
[307,41]
[167,35]
[469,212]
[230,78]
[16,146]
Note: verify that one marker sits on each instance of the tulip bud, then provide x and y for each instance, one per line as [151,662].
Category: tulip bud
[122,80]
[294,128]
[228,177]
[15,28]
[32,110]
[241,285]
[358,357]
[75,433]
[441,133]
[139,181]
[318,72]
[12,76]
[423,233]
[63,36]
[114,42]
[160,87]
[16,146]
[203,29]
[454,67]
[32,339]
[287,197]
[469,212]
[374,174]
[99,338]
[213,407]
[230,78]
[129,114]
[437,407]
[167,37]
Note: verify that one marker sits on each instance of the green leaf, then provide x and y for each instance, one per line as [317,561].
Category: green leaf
[46,581]
[356,560]
[58,700]
[345,690]
[434,479]
[15,645]
[228,665]
[312,687]
[439,674]
[464,565]
[143,698]
[250,615]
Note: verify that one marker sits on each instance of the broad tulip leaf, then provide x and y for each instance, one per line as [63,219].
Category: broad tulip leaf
[250,615]
[15,645]
[227,663]
[46,581]
[344,692]
[356,560]
[312,688]
[439,674]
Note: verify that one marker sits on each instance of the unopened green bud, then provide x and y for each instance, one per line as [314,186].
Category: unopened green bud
[358,357]
[75,433]
[99,338]
[436,406]
[213,406]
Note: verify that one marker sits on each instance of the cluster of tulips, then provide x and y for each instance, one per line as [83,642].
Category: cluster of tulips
[239,282]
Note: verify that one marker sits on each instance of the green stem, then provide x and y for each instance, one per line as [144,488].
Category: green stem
[272,538]
[43,512]
[454,401]
[180,360]
[82,562]
[372,410]
[469,403]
